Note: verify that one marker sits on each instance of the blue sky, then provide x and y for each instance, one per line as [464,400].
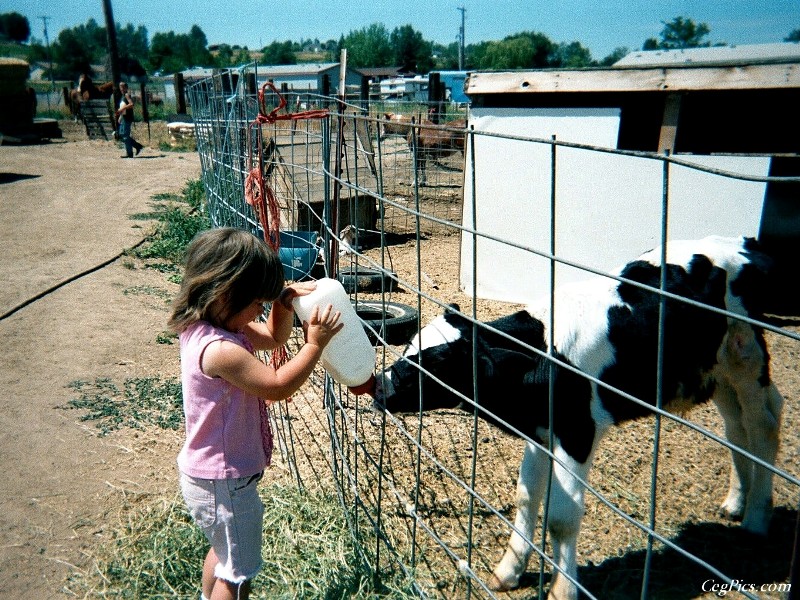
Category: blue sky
[600,25]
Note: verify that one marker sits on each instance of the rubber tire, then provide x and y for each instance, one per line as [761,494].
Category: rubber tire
[401,321]
[365,280]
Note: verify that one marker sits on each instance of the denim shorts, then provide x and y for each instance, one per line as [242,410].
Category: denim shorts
[231,514]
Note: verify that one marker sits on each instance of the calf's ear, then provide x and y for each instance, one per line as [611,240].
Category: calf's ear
[503,368]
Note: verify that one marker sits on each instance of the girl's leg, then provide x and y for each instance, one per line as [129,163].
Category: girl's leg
[219,589]
[225,590]
[208,573]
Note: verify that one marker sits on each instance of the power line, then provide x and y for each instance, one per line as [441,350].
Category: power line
[461,39]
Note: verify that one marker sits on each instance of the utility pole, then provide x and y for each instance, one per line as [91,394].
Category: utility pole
[49,60]
[461,39]
[113,54]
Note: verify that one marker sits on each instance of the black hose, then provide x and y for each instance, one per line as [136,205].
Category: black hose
[61,284]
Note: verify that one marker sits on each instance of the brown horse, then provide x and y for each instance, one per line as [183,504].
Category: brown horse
[432,142]
[87,90]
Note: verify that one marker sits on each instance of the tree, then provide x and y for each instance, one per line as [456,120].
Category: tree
[15,27]
[279,53]
[231,56]
[411,52]
[78,48]
[616,54]
[74,52]
[368,47]
[171,52]
[793,36]
[519,51]
[445,57]
[681,32]
[133,50]
[570,56]
[132,43]
[198,47]
[650,44]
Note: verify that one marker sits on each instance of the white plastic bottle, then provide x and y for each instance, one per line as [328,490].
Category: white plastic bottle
[349,357]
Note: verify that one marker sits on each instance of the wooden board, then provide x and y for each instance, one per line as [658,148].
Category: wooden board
[747,77]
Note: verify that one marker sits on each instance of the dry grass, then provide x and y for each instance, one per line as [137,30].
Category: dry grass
[155,551]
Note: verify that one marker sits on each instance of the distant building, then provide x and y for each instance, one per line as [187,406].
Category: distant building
[311,77]
[378,74]
[414,89]
[454,85]
[195,74]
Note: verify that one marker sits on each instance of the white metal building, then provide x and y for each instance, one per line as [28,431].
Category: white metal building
[741,118]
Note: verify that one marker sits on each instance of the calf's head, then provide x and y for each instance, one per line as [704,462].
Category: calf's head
[444,364]
[442,348]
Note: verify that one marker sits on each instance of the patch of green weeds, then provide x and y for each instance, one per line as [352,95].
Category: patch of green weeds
[195,194]
[166,337]
[178,223]
[162,267]
[147,290]
[167,196]
[138,403]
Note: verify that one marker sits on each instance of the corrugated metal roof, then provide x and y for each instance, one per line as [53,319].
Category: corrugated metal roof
[197,73]
[716,55]
[301,69]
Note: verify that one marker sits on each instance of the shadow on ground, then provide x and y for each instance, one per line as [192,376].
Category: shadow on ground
[741,556]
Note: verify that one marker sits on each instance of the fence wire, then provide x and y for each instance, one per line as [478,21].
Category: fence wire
[432,495]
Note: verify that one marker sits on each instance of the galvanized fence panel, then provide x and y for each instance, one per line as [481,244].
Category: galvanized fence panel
[431,495]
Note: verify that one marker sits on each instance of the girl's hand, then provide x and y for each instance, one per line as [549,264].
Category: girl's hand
[290,292]
[321,327]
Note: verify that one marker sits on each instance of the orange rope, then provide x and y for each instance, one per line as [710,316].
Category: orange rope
[272,116]
[258,193]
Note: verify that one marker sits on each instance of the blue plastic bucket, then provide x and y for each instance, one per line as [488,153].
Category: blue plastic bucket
[298,253]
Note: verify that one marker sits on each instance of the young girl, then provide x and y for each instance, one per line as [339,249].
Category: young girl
[229,276]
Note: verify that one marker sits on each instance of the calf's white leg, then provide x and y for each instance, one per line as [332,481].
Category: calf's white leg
[739,481]
[564,518]
[751,409]
[564,523]
[531,486]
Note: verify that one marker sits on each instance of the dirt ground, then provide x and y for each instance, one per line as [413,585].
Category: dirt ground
[65,208]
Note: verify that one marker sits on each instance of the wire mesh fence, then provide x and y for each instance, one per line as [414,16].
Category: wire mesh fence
[432,494]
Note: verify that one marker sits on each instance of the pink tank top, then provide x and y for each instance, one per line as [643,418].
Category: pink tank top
[225,437]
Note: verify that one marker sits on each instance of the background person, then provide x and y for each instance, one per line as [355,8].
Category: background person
[124,116]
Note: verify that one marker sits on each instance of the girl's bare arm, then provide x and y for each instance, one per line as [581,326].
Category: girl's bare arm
[240,368]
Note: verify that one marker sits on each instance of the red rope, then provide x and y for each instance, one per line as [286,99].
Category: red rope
[272,116]
[259,195]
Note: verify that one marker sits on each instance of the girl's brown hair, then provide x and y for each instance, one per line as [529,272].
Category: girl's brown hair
[228,264]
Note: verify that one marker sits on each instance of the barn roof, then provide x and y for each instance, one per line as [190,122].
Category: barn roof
[716,55]
[301,69]
[752,67]
[380,72]
[742,107]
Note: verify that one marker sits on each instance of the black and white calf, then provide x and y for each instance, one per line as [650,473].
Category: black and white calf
[609,329]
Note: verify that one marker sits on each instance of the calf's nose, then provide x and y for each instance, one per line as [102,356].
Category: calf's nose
[368,387]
